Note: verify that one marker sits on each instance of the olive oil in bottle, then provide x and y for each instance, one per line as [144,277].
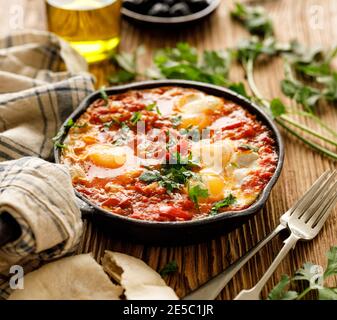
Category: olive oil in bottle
[91,26]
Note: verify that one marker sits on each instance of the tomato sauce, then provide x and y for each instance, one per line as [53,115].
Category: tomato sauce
[133,155]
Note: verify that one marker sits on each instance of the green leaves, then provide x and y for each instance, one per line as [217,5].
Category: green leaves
[127,64]
[180,62]
[327,294]
[229,200]
[150,176]
[57,139]
[170,267]
[331,268]
[183,62]
[136,116]
[310,62]
[104,95]
[151,106]
[314,64]
[277,108]
[248,147]
[255,19]
[252,48]
[312,277]
[280,292]
[302,94]
[197,191]
[171,176]
[330,86]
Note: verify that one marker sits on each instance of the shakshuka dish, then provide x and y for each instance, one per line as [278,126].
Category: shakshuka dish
[168,154]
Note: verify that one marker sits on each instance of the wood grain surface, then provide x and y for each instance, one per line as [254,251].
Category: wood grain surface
[312,22]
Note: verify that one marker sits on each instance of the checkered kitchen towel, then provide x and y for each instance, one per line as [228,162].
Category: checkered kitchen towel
[41,81]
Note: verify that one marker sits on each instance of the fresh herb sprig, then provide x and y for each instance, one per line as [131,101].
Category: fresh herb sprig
[127,66]
[313,277]
[229,200]
[254,18]
[249,51]
[69,124]
[170,267]
[180,62]
[197,191]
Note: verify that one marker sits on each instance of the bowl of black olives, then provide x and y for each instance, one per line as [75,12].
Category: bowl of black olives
[168,12]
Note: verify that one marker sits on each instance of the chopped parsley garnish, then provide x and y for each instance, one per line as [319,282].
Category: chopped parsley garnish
[151,106]
[229,200]
[104,95]
[107,125]
[151,176]
[255,19]
[60,145]
[171,176]
[158,111]
[248,147]
[135,117]
[170,267]
[197,191]
[69,124]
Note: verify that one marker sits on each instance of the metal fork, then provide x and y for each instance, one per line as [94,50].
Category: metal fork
[305,223]
[211,289]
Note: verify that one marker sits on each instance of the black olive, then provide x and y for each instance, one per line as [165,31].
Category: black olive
[132,5]
[159,10]
[180,9]
[197,5]
[139,6]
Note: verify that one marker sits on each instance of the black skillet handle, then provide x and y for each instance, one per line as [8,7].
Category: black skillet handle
[9,229]
[85,208]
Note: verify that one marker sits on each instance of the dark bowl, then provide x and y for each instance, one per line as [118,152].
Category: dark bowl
[160,233]
[144,19]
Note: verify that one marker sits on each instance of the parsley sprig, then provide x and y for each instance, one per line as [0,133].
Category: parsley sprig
[169,268]
[314,63]
[69,124]
[171,176]
[229,200]
[312,277]
[197,191]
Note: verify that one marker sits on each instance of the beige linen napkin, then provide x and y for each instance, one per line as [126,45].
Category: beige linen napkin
[42,80]
[36,93]
[40,197]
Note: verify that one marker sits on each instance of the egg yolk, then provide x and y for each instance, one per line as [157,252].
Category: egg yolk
[214,183]
[107,156]
[194,119]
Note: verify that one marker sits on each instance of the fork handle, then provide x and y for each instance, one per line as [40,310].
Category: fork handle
[211,289]
[254,293]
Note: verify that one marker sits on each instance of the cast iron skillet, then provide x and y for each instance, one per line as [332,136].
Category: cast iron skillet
[177,232]
[169,22]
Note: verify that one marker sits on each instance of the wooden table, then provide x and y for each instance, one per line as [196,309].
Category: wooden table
[310,21]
